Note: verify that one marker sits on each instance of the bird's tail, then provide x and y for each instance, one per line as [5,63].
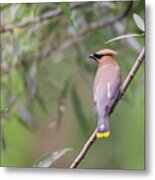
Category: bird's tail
[103,130]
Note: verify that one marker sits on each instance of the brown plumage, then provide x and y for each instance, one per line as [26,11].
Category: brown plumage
[106,88]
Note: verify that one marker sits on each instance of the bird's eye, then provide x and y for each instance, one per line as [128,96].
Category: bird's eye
[98,56]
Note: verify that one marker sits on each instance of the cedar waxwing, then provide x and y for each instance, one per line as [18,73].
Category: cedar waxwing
[106,88]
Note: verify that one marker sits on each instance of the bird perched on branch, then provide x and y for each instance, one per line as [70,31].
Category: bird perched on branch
[106,88]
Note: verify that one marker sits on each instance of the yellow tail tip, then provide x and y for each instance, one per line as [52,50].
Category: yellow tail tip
[103,135]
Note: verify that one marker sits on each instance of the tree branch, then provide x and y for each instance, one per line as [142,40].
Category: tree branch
[80,34]
[89,27]
[58,12]
[123,89]
[107,21]
[46,16]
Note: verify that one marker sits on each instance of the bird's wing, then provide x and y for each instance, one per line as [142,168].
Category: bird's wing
[100,99]
[95,109]
[106,90]
[112,92]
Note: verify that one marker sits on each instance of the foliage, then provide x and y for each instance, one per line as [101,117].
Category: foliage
[140,24]
[46,82]
[48,159]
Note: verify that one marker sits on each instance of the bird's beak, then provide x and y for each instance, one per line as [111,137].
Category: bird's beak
[93,57]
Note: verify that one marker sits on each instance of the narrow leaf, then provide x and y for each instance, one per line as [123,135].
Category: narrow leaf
[2,142]
[63,95]
[25,116]
[48,159]
[124,37]
[5,110]
[41,102]
[77,106]
[139,22]
[4,6]
[65,6]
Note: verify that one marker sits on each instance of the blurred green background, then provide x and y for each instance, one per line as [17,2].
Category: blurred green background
[47,79]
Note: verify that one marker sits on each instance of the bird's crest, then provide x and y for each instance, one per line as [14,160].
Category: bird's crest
[105,52]
[99,54]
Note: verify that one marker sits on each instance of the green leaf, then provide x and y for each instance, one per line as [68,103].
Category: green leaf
[41,102]
[62,98]
[4,6]
[25,116]
[66,8]
[48,159]
[77,106]
[124,37]
[4,110]
[65,88]
[67,11]
[2,142]
[139,22]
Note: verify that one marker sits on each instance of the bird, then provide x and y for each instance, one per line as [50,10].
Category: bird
[106,88]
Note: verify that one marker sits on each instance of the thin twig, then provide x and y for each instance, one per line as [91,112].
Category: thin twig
[123,89]
[58,12]
[106,21]
[48,15]
[80,34]
[89,27]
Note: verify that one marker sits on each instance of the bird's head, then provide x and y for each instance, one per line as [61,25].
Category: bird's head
[99,55]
